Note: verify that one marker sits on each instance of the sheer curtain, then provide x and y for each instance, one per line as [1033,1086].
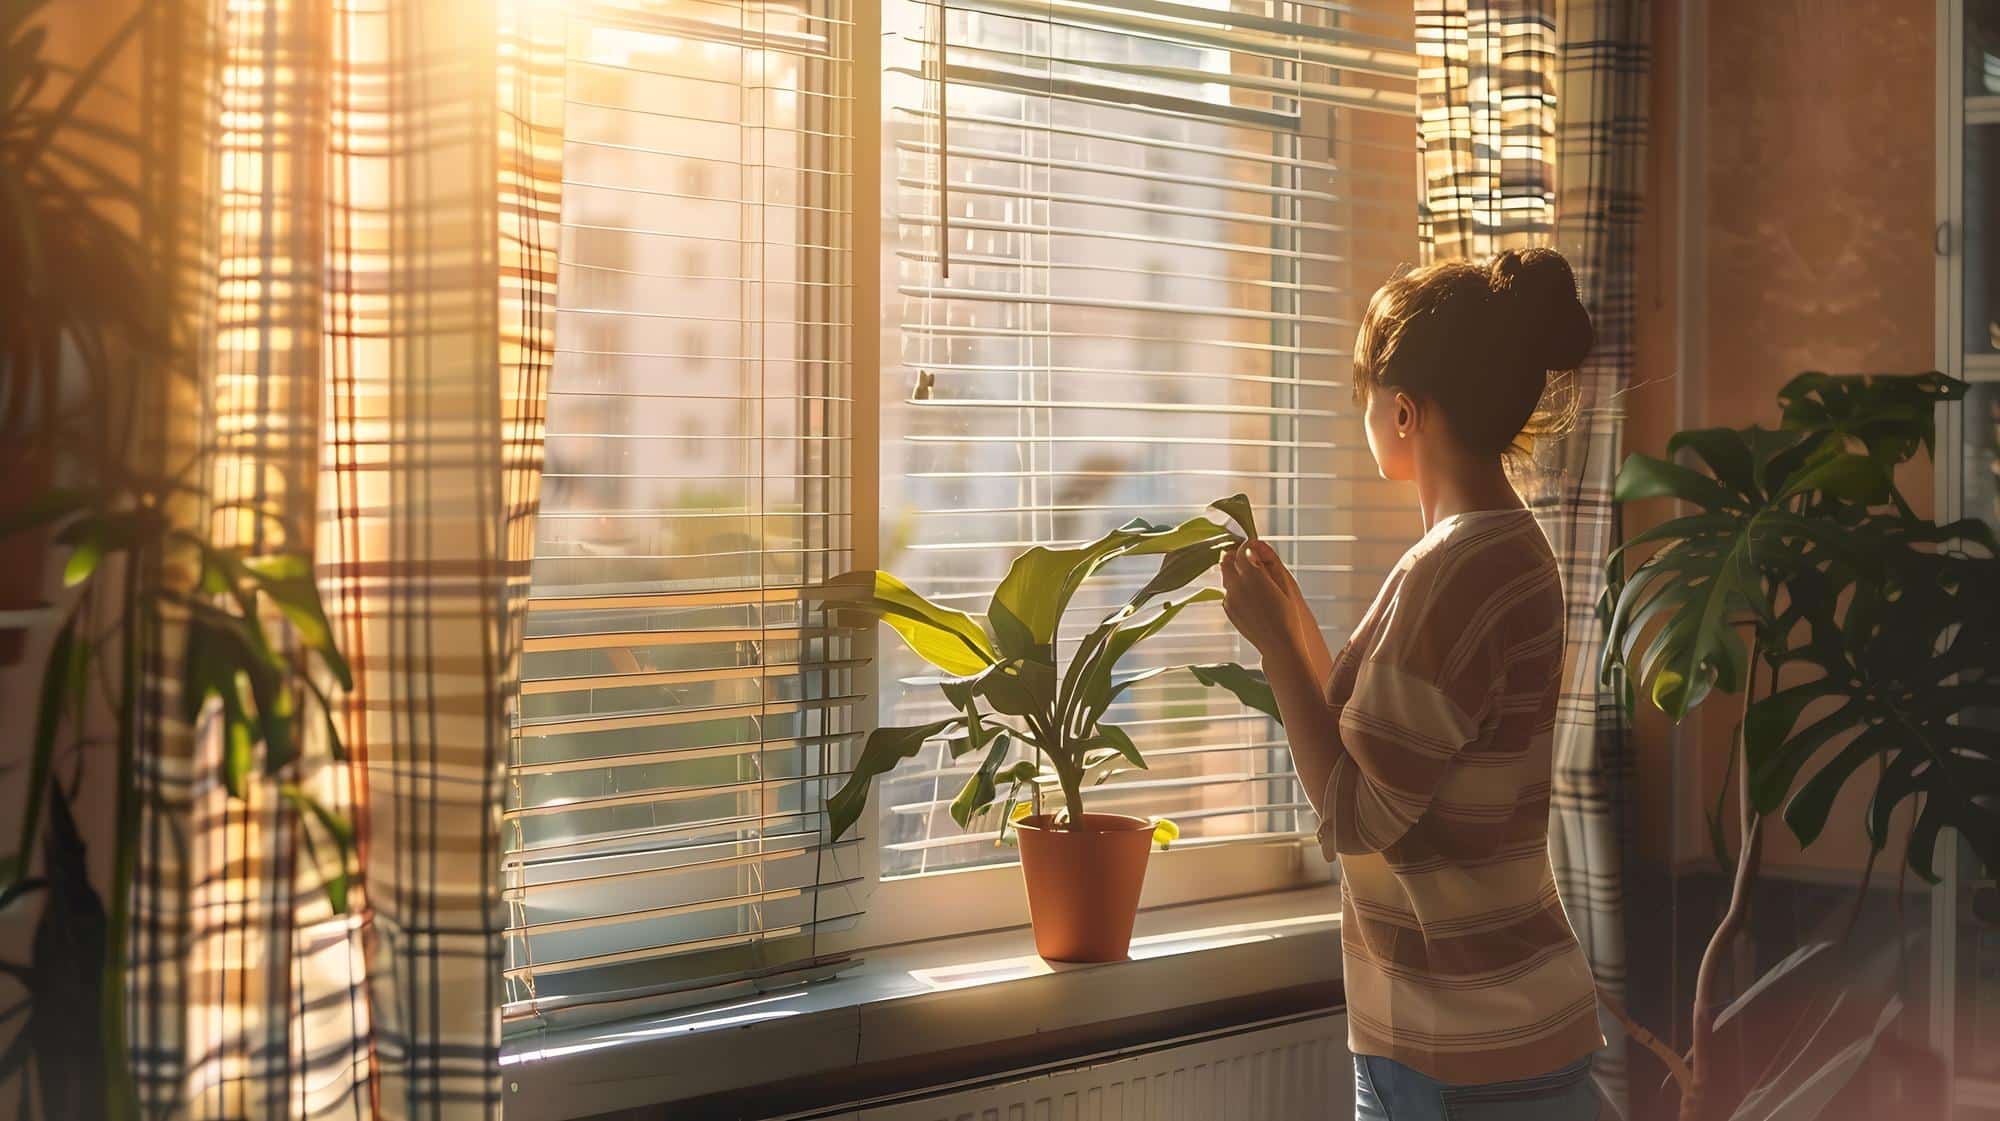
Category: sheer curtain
[359,203]
[1505,166]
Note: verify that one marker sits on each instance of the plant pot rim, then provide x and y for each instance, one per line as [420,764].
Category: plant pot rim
[1092,823]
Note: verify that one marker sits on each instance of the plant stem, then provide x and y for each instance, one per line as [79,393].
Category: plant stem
[119,1098]
[1692,1103]
[1072,785]
[1675,1065]
[1861,895]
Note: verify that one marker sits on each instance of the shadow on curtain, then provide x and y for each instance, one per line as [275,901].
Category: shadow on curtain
[359,207]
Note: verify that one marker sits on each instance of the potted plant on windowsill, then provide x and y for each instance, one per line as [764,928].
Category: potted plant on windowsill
[1083,870]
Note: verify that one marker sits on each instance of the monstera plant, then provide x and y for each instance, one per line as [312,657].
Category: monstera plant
[1857,634]
[1008,685]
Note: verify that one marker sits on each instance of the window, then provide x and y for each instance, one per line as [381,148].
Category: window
[1162,220]
[1157,257]
[681,711]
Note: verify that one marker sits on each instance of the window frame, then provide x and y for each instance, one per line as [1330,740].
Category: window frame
[951,902]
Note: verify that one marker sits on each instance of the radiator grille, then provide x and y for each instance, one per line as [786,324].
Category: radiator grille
[1296,1071]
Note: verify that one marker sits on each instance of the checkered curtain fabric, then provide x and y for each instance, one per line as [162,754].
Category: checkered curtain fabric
[1506,165]
[1486,119]
[362,203]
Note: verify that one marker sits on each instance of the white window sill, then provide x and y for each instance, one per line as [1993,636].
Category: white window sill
[945,1007]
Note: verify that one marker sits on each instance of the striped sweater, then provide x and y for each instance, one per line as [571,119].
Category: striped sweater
[1459,960]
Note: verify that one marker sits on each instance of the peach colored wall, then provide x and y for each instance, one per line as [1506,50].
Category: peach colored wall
[1814,253]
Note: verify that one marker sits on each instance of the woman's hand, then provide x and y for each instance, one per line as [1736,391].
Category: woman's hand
[1263,600]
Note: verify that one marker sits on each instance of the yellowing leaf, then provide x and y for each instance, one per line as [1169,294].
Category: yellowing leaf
[1668,690]
[1165,832]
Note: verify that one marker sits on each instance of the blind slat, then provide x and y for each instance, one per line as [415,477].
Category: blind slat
[1163,219]
[684,709]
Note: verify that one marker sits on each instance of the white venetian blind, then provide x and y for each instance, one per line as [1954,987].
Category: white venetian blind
[684,713]
[1162,222]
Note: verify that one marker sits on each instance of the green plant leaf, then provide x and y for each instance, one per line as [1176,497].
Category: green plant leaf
[1728,454]
[1893,416]
[1237,507]
[84,557]
[1020,774]
[94,536]
[885,748]
[336,824]
[239,748]
[57,672]
[1808,808]
[1249,685]
[1087,683]
[1901,627]
[1027,607]
[337,829]
[1644,476]
[1184,566]
[20,888]
[945,637]
[1121,741]
[1690,594]
[978,792]
[335,746]
[1856,478]
[288,580]
[1776,752]
[71,942]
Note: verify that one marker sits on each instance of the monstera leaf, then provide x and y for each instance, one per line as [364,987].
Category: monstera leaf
[1892,676]
[1887,625]
[1891,417]
[1713,569]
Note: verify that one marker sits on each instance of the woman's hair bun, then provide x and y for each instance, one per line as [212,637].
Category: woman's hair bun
[1553,325]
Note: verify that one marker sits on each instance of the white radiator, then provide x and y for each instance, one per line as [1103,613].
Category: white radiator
[1293,1071]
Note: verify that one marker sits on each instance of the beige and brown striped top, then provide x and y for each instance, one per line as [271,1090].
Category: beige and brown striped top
[1458,957]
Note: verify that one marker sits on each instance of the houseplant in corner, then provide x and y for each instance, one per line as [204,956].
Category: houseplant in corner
[1857,635]
[1083,870]
[88,352]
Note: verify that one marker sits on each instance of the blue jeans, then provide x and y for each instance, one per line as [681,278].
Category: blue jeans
[1386,1090]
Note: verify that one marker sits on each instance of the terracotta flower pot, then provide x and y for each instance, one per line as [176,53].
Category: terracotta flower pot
[1083,884]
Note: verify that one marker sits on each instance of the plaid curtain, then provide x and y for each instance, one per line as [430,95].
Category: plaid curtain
[361,202]
[1506,167]
[1486,122]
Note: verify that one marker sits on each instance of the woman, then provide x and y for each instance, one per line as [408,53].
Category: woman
[1425,743]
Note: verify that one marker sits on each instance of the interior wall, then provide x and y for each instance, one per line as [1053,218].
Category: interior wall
[1788,227]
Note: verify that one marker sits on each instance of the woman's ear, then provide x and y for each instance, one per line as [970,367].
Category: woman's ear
[1407,417]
